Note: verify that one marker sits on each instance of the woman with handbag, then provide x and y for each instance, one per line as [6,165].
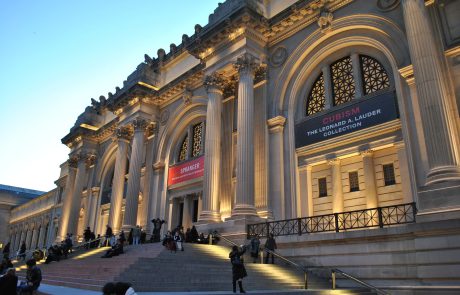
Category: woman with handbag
[238,269]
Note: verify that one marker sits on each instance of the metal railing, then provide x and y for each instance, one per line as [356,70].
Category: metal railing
[367,218]
[334,272]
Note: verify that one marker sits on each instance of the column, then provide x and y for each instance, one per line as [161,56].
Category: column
[152,136]
[436,105]
[404,173]
[369,179]
[212,158]
[28,238]
[21,239]
[89,208]
[77,195]
[155,196]
[245,138]
[357,75]
[337,192]
[309,191]
[276,183]
[67,203]
[41,237]
[187,214]
[328,93]
[34,241]
[134,178]
[93,207]
[123,134]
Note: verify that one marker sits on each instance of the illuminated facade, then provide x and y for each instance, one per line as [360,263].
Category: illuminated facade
[277,110]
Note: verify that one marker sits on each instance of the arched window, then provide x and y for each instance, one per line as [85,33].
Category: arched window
[193,143]
[343,85]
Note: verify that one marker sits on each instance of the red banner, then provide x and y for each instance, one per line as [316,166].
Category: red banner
[186,171]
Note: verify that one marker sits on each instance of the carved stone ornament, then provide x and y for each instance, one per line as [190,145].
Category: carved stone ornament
[367,153]
[73,161]
[334,162]
[151,129]
[187,96]
[387,5]
[215,80]
[139,124]
[124,132]
[164,117]
[260,74]
[325,20]
[279,56]
[245,63]
[90,160]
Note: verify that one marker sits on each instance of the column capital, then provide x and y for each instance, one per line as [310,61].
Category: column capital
[429,2]
[158,166]
[276,124]
[245,63]
[90,160]
[95,189]
[333,162]
[151,129]
[408,74]
[124,133]
[214,83]
[140,124]
[73,161]
[367,153]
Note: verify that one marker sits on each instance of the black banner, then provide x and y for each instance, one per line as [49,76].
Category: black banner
[343,120]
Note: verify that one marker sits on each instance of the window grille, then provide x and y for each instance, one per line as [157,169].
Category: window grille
[343,84]
[389,174]
[183,149]
[317,98]
[322,186]
[354,181]
[197,139]
[374,75]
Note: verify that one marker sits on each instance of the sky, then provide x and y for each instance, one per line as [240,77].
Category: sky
[57,55]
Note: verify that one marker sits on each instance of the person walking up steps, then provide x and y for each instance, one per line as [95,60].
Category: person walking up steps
[238,269]
[270,244]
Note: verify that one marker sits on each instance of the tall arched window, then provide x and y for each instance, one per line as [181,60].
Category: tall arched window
[372,75]
[192,145]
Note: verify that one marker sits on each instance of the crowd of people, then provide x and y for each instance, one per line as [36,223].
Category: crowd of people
[9,280]
[174,240]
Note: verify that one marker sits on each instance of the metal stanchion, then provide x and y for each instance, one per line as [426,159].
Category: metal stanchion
[333,279]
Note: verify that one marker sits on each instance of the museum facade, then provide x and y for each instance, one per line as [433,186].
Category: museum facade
[275,110]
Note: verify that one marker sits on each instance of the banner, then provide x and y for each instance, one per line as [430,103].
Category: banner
[343,120]
[186,171]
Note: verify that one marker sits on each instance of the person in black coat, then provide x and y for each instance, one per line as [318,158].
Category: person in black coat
[270,245]
[238,269]
[33,278]
[6,251]
[9,282]
[22,251]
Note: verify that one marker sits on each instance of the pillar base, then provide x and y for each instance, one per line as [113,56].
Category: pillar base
[438,201]
[126,228]
[209,217]
[442,174]
[244,210]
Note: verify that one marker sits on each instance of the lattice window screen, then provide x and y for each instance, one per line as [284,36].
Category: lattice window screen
[183,149]
[317,98]
[374,75]
[197,139]
[342,81]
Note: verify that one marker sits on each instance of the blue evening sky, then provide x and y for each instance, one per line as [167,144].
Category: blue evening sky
[56,55]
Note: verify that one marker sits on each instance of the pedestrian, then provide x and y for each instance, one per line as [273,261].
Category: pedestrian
[238,269]
[270,246]
[22,251]
[122,238]
[87,236]
[178,240]
[6,251]
[122,288]
[255,245]
[157,223]
[33,278]
[108,235]
[9,282]
[136,235]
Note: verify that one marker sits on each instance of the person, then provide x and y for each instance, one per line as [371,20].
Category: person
[108,234]
[122,288]
[9,282]
[194,235]
[6,251]
[108,289]
[255,245]
[93,240]
[6,263]
[136,235]
[178,240]
[270,245]
[22,251]
[122,237]
[116,250]
[143,236]
[157,223]
[68,243]
[33,278]
[38,254]
[130,237]
[87,237]
[238,269]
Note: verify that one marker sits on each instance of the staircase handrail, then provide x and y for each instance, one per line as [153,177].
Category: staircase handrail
[348,276]
[296,265]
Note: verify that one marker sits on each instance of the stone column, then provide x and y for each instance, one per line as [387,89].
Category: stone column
[245,138]
[93,207]
[404,173]
[134,178]
[309,191]
[357,75]
[152,136]
[436,105]
[21,239]
[34,240]
[337,191]
[155,195]
[41,237]
[28,238]
[213,138]
[67,202]
[89,208]
[77,195]
[369,179]
[276,183]
[187,214]
[328,92]
[123,134]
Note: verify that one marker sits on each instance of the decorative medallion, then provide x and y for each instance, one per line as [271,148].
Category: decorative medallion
[279,56]
[164,116]
[387,5]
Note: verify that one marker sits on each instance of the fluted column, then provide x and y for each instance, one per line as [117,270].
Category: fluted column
[337,191]
[34,241]
[41,237]
[89,209]
[77,195]
[276,183]
[404,172]
[369,179]
[21,239]
[436,105]
[67,201]
[134,177]
[148,197]
[356,66]
[123,134]
[212,159]
[28,238]
[187,213]
[93,205]
[245,138]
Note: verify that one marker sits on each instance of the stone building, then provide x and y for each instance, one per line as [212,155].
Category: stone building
[283,110]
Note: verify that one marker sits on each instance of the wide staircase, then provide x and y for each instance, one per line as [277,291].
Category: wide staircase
[151,268]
